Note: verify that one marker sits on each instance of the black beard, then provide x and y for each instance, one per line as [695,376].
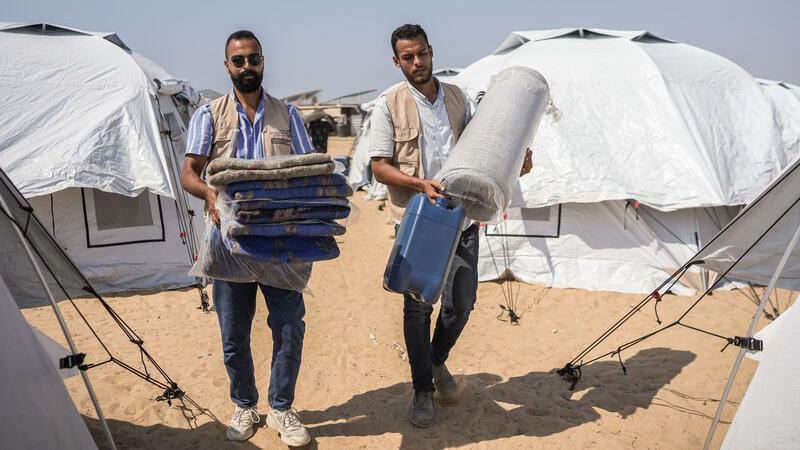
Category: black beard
[410,77]
[247,81]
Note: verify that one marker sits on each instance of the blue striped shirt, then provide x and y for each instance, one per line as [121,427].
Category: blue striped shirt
[248,143]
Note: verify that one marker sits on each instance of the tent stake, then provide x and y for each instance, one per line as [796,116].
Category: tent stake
[63,324]
[750,332]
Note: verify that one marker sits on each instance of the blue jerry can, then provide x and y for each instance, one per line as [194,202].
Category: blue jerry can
[424,248]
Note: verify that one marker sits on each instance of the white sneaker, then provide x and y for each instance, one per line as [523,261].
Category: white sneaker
[291,431]
[243,423]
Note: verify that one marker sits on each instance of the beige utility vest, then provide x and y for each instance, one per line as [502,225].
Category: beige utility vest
[405,119]
[276,134]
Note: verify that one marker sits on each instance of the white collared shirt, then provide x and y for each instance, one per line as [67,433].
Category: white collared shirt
[436,138]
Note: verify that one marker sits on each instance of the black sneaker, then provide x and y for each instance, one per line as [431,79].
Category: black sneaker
[422,413]
[447,390]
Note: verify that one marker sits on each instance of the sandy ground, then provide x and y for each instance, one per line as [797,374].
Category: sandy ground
[354,387]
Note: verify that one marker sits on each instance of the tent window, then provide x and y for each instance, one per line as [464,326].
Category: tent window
[119,211]
[529,222]
[113,219]
[537,214]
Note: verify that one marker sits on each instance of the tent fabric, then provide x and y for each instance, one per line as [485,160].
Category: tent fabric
[18,271]
[768,415]
[785,98]
[116,149]
[122,261]
[43,149]
[779,204]
[37,411]
[634,116]
[598,246]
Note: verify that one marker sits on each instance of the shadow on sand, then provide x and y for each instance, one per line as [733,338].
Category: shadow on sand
[536,404]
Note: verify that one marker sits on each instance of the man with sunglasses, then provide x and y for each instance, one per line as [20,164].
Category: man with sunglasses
[249,123]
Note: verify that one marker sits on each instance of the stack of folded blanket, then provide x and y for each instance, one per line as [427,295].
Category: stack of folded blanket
[280,210]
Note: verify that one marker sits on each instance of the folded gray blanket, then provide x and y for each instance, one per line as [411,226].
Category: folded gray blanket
[237,175]
[277,162]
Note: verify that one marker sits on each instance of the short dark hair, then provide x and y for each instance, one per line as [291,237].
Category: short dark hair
[407,31]
[240,35]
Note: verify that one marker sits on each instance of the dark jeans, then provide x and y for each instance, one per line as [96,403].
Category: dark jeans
[458,300]
[236,305]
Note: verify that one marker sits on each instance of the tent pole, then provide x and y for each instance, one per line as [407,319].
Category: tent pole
[750,332]
[704,275]
[63,324]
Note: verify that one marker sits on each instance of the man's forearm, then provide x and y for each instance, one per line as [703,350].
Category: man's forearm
[196,187]
[392,176]
[193,184]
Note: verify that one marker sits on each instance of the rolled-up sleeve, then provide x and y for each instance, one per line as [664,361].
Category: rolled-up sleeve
[200,132]
[381,134]
[301,143]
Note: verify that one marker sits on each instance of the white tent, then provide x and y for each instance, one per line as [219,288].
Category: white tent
[786,99]
[93,136]
[648,149]
[35,270]
[761,245]
[768,415]
[37,411]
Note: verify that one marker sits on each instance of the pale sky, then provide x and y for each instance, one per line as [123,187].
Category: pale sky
[343,46]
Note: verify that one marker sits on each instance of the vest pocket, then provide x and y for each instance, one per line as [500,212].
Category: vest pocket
[409,169]
[280,141]
[221,142]
[406,145]
[405,134]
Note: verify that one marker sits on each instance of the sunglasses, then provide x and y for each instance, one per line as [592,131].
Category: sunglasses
[254,60]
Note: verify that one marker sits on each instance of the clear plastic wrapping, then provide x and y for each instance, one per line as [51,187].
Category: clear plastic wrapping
[216,261]
[272,230]
[484,165]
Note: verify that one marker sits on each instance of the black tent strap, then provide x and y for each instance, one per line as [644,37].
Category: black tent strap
[674,278]
[510,308]
[668,284]
[572,372]
[171,390]
[132,336]
[655,219]
[70,361]
[747,343]
[144,375]
[204,304]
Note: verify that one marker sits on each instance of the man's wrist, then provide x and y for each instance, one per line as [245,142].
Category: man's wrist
[208,193]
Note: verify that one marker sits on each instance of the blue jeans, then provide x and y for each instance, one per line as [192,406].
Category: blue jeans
[458,300]
[236,305]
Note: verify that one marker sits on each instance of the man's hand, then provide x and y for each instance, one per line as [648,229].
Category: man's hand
[211,205]
[431,188]
[527,164]
[190,180]
[389,175]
